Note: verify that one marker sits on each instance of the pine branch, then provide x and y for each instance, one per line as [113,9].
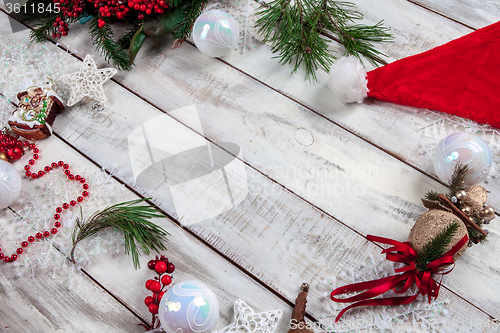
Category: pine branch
[46,28]
[432,196]
[192,10]
[457,181]
[300,30]
[436,247]
[104,43]
[130,219]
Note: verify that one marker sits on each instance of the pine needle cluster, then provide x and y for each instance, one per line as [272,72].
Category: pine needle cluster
[436,247]
[457,181]
[133,220]
[300,32]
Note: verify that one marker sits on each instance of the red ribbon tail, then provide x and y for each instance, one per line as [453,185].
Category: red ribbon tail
[380,301]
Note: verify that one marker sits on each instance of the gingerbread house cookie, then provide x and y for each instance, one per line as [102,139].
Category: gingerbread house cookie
[37,109]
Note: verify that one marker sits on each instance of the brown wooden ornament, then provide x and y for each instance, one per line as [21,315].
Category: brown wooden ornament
[430,224]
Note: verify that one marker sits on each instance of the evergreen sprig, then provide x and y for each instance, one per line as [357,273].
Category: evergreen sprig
[104,43]
[300,30]
[192,10]
[457,181]
[126,38]
[436,247]
[432,196]
[132,220]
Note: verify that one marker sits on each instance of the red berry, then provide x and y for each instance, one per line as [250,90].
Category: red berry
[28,173]
[54,165]
[153,308]
[155,287]
[13,257]
[65,205]
[170,268]
[19,250]
[24,244]
[160,267]
[148,284]
[59,209]
[149,300]
[53,231]
[151,264]
[27,167]
[85,186]
[57,224]
[79,199]
[31,239]
[6,259]
[85,193]
[160,295]
[38,235]
[46,234]
[166,280]
[60,163]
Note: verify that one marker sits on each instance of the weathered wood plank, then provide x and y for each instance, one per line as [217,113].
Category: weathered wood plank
[237,231]
[474,13]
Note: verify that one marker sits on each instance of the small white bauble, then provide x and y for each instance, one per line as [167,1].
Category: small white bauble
[189,307]
[465,148]
[215,33]
[10,184]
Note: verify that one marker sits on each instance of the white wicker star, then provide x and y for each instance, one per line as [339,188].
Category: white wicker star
[88,81]
[246,320]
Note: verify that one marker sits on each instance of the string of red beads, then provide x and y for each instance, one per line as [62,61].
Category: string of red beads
[38,174]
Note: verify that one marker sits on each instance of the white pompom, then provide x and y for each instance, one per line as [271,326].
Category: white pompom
[348,80]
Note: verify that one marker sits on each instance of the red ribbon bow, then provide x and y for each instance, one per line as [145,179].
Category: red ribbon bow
[400,252]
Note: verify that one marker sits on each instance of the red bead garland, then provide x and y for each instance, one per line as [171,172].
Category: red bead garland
[8,144]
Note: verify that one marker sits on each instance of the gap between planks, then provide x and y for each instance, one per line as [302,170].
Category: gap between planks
[267,177]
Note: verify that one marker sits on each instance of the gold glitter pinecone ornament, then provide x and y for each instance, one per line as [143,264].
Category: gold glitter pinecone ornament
[430,224]
[476,197]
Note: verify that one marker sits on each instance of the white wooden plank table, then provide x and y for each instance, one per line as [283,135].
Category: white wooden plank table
[315,177]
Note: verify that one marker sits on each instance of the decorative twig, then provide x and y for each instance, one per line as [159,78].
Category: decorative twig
[461,214]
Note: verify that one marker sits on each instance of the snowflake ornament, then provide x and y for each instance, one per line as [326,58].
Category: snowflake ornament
[246,320]
[88,81]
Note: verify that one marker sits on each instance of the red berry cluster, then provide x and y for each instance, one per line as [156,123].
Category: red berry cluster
[148,7]
[70,8]
[163,268]
[12,147]
[62,28]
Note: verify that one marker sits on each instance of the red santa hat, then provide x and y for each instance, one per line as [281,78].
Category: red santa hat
[461,78]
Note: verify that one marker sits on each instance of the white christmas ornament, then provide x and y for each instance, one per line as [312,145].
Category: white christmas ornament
[88,82]
[246,320]
[189,307]
[215,33]
[10,184]
[465,148]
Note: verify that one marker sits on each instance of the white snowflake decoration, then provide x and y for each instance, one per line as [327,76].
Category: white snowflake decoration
[88,81]
[246,320]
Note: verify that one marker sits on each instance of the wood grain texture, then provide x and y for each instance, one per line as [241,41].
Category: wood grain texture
[474,13]
[268,215]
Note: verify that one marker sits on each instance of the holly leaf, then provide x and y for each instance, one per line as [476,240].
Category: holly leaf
[136,44]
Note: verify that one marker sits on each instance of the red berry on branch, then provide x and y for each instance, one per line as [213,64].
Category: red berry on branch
[148,284]
[153,308]
[155,287]
[160,295]
[166,280]
[151,264]
[170,268]
[149,300]
[160,267]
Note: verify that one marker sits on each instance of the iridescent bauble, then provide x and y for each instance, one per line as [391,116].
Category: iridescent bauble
[189,307]
[463,148]
[215,33]
[10,184]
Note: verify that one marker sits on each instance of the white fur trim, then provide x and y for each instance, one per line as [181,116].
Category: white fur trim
[348,80]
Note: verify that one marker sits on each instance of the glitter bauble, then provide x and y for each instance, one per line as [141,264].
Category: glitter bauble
[215,33]
[430,224]
[10,184]
[189,307]
[476,197]
[465,148]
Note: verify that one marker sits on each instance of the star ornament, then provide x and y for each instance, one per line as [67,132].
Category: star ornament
[246,320]
[88,82]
